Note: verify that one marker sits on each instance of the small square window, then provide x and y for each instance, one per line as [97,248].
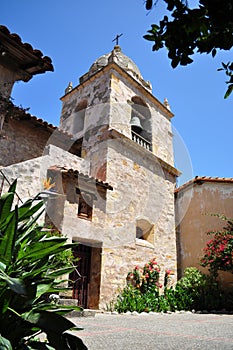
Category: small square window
[85,205]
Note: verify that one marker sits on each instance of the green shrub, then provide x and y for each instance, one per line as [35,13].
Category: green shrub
[202,291]
[194,290]
[28,270]
[129,300]
[142,290]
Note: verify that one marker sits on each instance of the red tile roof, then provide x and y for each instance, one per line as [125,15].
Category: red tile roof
[77,173]
[40,121]
[22,114]
[201,179]
[22,55]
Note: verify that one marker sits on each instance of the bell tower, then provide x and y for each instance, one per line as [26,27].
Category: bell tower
[126,138]
[112,95]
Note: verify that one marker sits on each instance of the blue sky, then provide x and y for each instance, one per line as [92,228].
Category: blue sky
[75,33]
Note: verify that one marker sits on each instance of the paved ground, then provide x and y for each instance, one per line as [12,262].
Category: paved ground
[157,331]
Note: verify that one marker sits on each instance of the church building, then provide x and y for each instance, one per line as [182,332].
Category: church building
[111,163]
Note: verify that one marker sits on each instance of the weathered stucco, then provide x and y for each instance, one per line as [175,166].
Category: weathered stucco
[194,206]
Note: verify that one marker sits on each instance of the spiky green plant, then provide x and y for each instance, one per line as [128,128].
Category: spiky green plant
[28,270]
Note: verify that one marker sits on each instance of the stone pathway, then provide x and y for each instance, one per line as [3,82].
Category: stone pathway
[157,331]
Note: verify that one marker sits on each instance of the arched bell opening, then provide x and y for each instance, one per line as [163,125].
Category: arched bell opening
[141,122]
[79,117]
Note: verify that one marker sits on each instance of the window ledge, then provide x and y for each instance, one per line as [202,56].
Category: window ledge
[144,243]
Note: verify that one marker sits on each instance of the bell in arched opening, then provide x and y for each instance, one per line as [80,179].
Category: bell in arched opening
[135,123]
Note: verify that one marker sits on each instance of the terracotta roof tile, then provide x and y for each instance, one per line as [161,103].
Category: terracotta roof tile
[23,115]
[201,179]
[29,59]
[77,173]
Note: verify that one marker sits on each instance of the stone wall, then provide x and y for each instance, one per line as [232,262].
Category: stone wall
[116,263]
[109,99]
[122,92]
[21,140]
[30,173]
[142,196]
[96,94]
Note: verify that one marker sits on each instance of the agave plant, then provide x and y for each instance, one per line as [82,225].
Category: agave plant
[28,270]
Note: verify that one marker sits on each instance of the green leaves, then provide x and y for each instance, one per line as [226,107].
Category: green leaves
[8,239]
[204,29]
[6,204]
[228,68]
[5,344]
[15,284]
[55,327]
[149,37]
[29,267]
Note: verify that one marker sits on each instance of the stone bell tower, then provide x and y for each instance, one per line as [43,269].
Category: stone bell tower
[125,135]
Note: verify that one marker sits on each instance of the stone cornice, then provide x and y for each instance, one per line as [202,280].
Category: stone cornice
[134,82]
[114,134]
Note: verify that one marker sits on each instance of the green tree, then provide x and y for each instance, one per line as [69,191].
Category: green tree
[29,268]
[207,29]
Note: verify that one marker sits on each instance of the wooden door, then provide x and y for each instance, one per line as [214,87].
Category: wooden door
[81,275]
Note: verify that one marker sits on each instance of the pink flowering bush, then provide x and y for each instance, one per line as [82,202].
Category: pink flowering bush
[134,277]
[218,253]
[195,290]
[146,278]
[142,292]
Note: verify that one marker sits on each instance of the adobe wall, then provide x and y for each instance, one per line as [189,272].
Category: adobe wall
[21,140]
[194,206]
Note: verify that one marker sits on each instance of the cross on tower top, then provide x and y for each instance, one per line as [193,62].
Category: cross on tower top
[116,39]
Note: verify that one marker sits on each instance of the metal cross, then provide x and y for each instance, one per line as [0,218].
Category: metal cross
[116,39]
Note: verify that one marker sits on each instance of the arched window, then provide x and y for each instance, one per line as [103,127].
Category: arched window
[141,122]
[144,231]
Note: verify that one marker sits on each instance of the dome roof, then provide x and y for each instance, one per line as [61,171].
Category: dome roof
[122,61]
[118,57]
